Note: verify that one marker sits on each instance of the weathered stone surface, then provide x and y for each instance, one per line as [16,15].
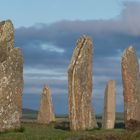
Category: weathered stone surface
[133,125]
[46,113]
[131,85]
[108,121]
[11,78]
[81,114]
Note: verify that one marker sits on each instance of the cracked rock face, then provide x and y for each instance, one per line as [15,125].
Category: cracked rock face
[108,121]
[46,114]
[131,85]
[81,114]
[11,78]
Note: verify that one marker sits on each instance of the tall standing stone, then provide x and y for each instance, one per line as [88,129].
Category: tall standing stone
[108,121]
[81,114]
[131,85]
[46,113]
[11,78]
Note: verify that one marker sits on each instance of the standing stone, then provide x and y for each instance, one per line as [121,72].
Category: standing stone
[81,114]
[46,113]
[11,78]
[109,105]
[131,85]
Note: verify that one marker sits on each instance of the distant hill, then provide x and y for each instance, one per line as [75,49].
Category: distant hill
[32,114]
[119,116]
[27,110]
[29,113]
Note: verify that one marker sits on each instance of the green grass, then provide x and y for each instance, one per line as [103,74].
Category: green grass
[34,131]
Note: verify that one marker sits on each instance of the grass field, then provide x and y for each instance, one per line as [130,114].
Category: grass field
[60,131]
[33,131]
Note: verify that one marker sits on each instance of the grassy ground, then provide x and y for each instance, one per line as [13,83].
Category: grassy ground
[34,131]
[60,131]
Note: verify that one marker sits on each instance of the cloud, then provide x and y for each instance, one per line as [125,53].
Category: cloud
[60,37]
[48,49]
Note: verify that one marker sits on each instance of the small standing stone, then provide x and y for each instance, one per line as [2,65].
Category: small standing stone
[131,85]
[11,78]
[46,113]
[108,121]
[81,114]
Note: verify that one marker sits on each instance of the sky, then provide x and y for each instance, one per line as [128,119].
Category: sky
[47,30]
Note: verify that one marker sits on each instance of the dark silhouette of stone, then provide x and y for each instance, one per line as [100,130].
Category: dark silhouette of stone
[109,105]
[81,114]
[46,113]
[11,78]
[131,85]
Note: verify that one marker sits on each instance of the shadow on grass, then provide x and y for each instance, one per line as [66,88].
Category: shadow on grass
[109,137]
[21,129]
[16,130]
[64,125]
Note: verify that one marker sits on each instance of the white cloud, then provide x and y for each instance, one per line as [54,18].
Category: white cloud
[52,48]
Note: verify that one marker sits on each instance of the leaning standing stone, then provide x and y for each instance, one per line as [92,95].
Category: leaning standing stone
[81,114]
[11,78]
[131,86]
[46,113]
[108,121]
